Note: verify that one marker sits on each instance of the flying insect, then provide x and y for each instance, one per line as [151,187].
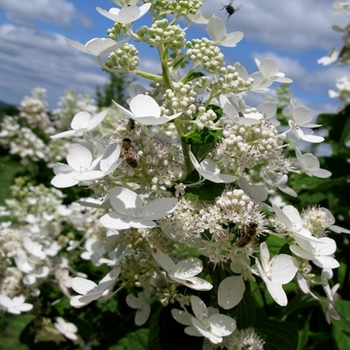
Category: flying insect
[230,10]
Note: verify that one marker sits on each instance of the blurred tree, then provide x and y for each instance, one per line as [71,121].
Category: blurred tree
[114,90]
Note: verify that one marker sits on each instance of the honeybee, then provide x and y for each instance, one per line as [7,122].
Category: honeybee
[248,233]
[128,153]
[230,10]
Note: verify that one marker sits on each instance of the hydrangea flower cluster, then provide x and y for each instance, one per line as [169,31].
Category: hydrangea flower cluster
[183,185]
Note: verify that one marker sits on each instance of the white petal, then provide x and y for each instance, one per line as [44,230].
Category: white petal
[110,156]
[82,285]
[133,301]
[97,119]
[192,331]
[79,157]
[282,217]
[230,292]
[89,176]
[64,180]
[158,208]
[222,325]
[142,314]
[125,201]
[293,216]
[77,45]
[81,120]
[144,106]
[141,223]
[277,293]
[163,260]
[195,283]
[188,268]
[181,317]
[326,262]
[301,252]
[5,301]
[25,307]
[216,28]
[114,220]
[268,67]
[312,138]
[283,268]
[202,329]
[231,39]
[63,134]
[302,115]
[199,308]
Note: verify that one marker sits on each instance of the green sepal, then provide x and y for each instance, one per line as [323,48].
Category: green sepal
[192,76]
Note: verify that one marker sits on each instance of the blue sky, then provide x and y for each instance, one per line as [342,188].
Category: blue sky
[34,51]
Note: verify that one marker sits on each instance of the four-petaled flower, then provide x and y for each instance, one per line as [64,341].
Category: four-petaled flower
[207,322]
[98,46]
[184,271]
[66,328]
[127,14]
[145,110]
[16,305]
[216,28]
[82,168]
[82,122]
[280,270]
[130,210]
[210,171]
[311,165]
[89,290]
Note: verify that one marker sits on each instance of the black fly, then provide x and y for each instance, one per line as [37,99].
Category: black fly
[230,10]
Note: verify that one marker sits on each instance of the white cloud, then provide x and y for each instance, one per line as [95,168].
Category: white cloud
[290,26]
[29,58]
[56,12]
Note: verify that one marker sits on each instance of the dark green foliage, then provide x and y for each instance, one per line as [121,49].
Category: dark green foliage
[114,90]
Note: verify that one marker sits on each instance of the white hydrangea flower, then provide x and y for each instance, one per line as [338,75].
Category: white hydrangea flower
[141,303]
[208,322]
[98,46]
[268,73]
[184,271]
[302,116]
[131,211]
[16,305]
[210,171]
[82,168]
[280,270]
[82,122]
[311,165]
[127,14]
[66,328]
[89,290]
[216,28]
[318,250]
[330,58]
[145,110]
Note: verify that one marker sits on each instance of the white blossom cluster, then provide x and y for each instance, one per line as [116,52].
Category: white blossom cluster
[182,184]
[342,55]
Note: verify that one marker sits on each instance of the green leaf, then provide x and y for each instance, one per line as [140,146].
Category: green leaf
[246,310]
[207,190]
[278,335]
[202,137]
[138,340]
[153,338]
[192,76]
[342,339]
[303,335]
[277,245]
[343,309]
